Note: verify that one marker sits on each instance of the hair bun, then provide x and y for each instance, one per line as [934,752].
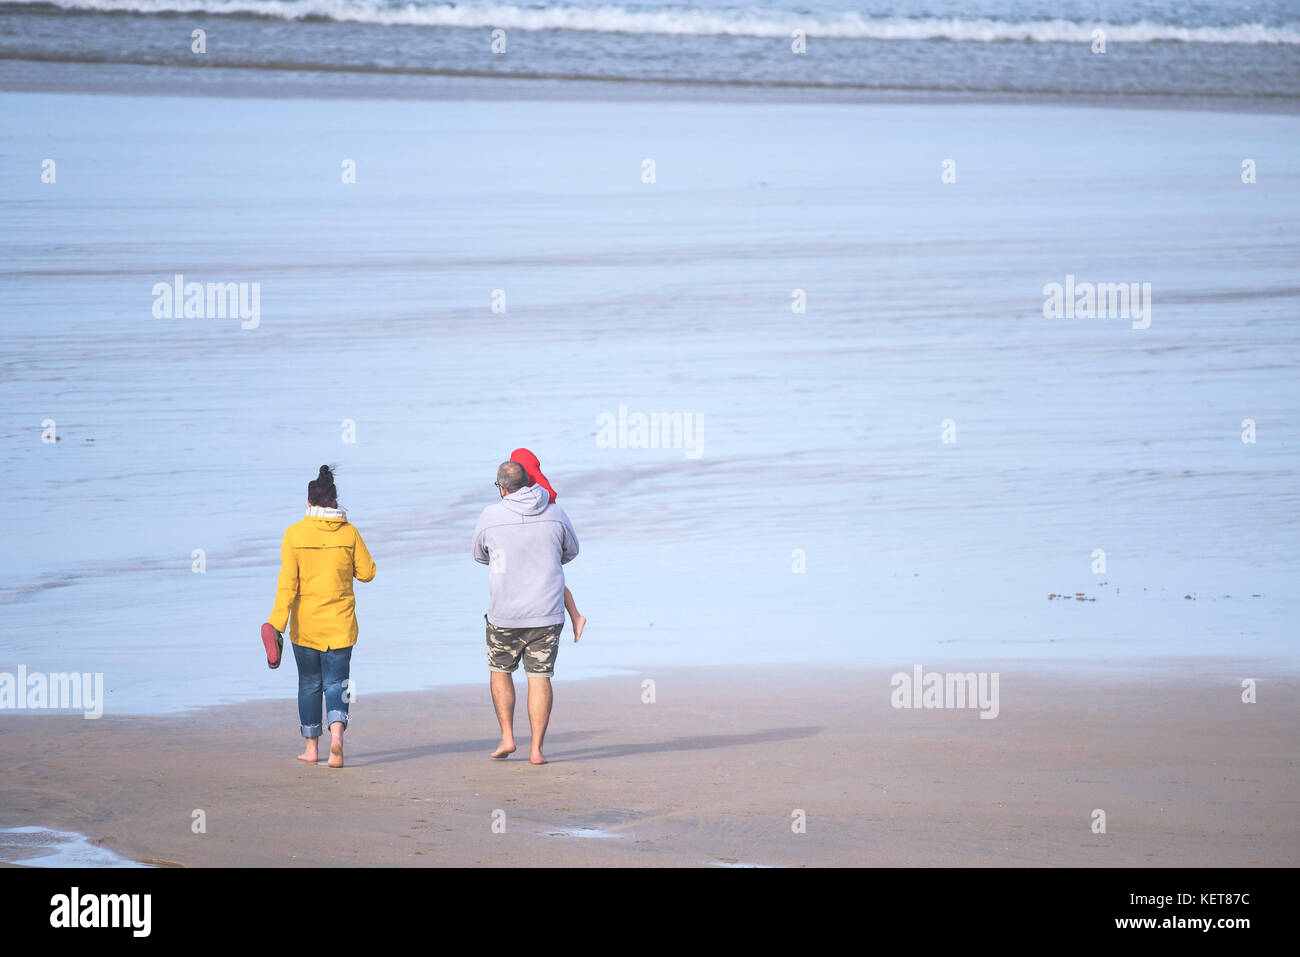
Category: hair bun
[321,490]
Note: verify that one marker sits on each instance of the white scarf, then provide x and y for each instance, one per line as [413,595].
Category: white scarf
[320,511]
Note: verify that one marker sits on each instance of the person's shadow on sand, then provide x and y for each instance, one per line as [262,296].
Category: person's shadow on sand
[367,758]
[702,742]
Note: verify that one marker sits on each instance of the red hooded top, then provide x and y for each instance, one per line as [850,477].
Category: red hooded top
[534,469]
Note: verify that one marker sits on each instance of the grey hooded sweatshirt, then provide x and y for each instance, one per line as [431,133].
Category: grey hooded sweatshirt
[524,539]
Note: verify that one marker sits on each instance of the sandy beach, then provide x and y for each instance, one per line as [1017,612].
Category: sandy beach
[711,773]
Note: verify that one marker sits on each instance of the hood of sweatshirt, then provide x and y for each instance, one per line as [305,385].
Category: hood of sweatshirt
[529,500]
[327,518]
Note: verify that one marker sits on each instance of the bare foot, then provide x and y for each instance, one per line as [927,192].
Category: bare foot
[536,758]
[336,755]
[504,750]
[579,623]
[310,756]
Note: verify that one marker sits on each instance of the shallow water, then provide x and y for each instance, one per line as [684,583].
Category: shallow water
[821,431]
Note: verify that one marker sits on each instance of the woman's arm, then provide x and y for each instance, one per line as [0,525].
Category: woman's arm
[286,590]
[363,566]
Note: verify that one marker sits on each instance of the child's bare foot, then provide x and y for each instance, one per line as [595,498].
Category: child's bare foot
[536,758]
[336,755]
[579,623]
[504,750]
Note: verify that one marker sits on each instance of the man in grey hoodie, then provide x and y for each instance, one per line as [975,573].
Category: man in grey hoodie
[524,540]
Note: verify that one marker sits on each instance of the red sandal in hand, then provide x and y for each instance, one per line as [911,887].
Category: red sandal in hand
[273,641]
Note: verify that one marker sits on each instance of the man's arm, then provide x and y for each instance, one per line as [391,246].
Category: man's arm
[569,546]
[479,548]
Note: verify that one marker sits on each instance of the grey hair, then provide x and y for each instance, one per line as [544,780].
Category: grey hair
[512,477]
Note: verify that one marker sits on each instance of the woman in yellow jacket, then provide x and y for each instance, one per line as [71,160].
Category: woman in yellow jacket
[319,557]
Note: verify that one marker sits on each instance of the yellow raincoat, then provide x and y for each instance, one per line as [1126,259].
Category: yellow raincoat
[319,557]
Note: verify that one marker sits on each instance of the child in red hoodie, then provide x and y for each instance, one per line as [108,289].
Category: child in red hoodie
[534,469]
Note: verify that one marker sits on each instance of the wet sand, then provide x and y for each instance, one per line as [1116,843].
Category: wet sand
[711,773]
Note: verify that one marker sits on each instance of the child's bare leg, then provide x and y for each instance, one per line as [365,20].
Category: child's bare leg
[579,622]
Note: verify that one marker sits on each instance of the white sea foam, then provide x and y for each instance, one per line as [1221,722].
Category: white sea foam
[686,22]
[43,847]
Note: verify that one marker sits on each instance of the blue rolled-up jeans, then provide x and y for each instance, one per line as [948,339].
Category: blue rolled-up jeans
[321,672]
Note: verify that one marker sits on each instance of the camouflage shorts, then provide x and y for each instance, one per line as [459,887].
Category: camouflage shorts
[537,647]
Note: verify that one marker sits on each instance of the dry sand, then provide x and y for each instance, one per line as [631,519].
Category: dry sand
[711,773]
